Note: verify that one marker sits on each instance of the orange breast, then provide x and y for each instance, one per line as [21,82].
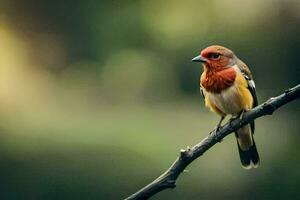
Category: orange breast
[216,81]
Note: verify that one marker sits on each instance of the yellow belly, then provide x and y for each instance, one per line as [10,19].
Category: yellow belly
[231,100]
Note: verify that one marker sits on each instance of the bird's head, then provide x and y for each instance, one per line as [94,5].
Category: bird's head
[216,58]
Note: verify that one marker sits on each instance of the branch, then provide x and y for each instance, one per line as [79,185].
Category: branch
[168,178]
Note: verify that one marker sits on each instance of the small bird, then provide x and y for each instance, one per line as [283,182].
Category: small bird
[228,89]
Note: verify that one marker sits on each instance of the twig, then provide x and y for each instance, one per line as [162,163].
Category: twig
[168,178]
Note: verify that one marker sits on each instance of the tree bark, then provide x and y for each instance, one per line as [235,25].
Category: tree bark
[169,177]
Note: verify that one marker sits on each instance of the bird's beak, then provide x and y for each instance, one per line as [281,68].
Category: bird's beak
[199,59]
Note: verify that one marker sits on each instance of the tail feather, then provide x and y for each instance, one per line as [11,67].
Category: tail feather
[254,155]
[247,148]
[250,157]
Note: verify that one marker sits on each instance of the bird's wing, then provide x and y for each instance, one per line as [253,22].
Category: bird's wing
[248,76]
[251,85]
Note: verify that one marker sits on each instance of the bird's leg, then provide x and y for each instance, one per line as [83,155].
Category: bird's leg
[214,132]
[240,115]
[220,122]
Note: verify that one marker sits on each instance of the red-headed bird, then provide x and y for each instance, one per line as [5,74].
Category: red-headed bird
[228,89]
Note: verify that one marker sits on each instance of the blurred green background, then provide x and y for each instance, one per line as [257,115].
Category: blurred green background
[97,97]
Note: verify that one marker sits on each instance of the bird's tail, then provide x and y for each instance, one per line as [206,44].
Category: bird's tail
[247,149]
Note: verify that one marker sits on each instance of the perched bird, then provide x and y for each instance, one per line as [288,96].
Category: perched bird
[228,89]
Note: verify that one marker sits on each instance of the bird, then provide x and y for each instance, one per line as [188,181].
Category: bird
[228,88]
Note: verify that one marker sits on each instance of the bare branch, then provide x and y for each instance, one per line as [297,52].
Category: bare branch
[168,178]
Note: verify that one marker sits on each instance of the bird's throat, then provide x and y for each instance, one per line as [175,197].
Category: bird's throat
[217,80]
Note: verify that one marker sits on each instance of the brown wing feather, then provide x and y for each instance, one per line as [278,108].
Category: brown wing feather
[251,85]
[244,69]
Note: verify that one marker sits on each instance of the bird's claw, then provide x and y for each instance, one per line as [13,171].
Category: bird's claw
[239,116]
[215,131]
[233,118]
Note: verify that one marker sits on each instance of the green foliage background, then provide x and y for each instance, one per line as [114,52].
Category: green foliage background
[97,97]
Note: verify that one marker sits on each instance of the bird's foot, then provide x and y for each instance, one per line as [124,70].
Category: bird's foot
[214,133]
[239,116]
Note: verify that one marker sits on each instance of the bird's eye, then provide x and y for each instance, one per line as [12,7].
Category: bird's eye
[215,55]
